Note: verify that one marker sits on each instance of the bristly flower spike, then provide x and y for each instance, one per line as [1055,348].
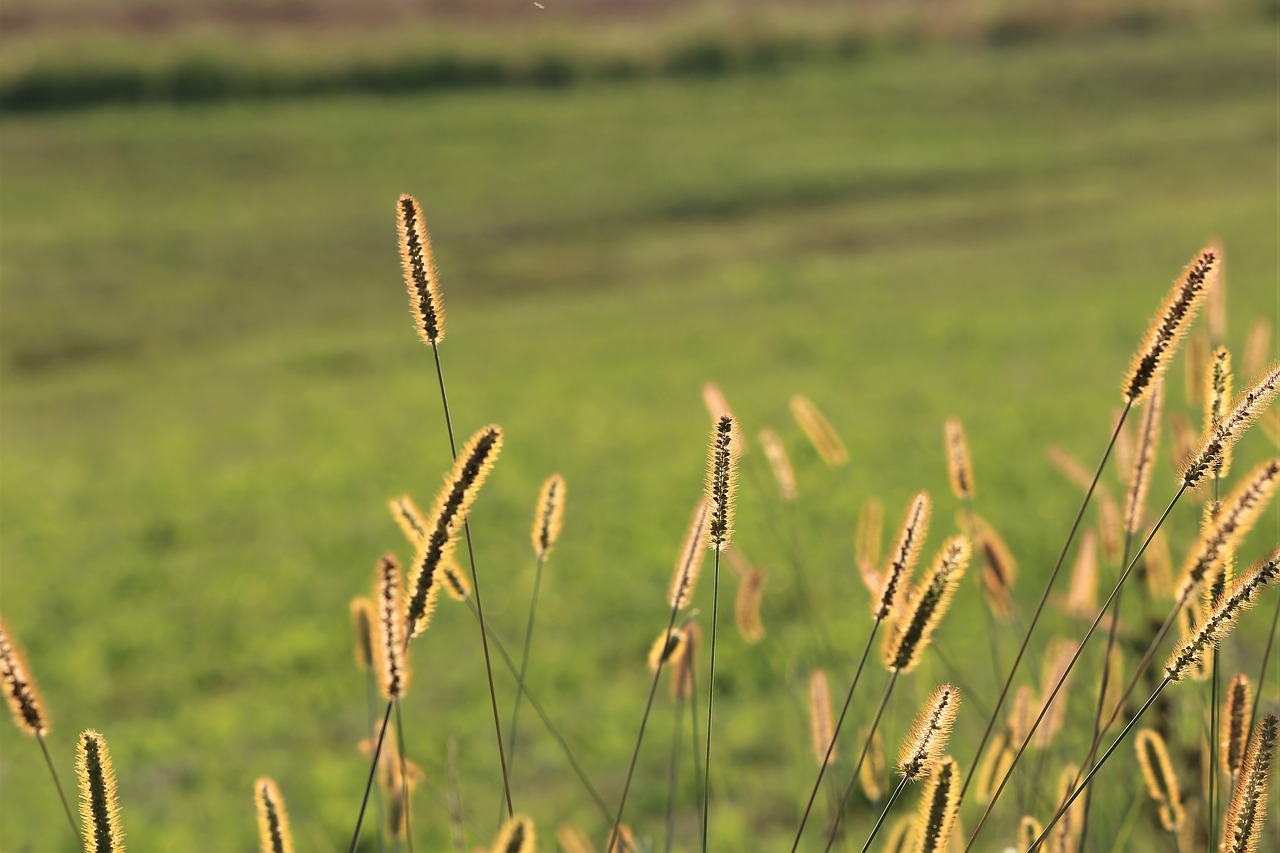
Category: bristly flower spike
[1217,396]
[420,275]
[389,638]
[274,835]
[409,518]
[939,807]
[959,463]
[1135,503]
[906,550]
[517,836]
[689,563]
[925,606]
[819,431]
[362,619]
[1235,722]
[99,804]
[1242,828]
[927,740]
[19,687]
[1215,625]
[549,516]
[722,476]
[1162,784]
[780,463]
[746,610]
[1228,429]
[820,727]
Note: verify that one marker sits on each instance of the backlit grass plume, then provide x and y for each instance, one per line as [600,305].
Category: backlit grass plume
[450,510]
[780,463]
[420,275]
[409,518]
[902,838]
[927,739]
[1082,593]
[683,667]
[819,431]
[1247,811]
[1257,346]
[1240,511]
[362,620]
[1206,635]
[1228,429]
[549,516]
[1162,784]
[1144,458]
[1171,322]
[19,687]
[99,805]
[906,550]
[959,464]
[456,582]
[872,773]
[995,764]
[722,478]
[746,609]
[1217,396]
[668,647]
[517,836]
[1021,714]
[389,635]
[925,606]
[1235,723]
[1029,830]
[820,726]
[1057,662]
[718,406]
[867,542]
[1065,837]
[689,562]
[939,807]
[274,835]
[999,569]
[573,840]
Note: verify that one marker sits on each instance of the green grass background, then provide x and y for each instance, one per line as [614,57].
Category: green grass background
[211,386]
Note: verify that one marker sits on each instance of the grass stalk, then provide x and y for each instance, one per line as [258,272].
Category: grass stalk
[524,664]
[1266,655]
[71,821]
[711,694]
[1213,751]
[371,691]
[373,769]
[404,778]
[862,756]
[677,732]
[884,813]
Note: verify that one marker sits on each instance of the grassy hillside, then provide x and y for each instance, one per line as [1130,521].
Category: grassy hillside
[211,386]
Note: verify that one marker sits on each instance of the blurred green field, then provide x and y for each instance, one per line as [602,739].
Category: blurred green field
[210,386]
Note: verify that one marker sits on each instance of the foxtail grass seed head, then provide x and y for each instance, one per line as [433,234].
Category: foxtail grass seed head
[517,836]
[1257,346]
[667,648]
[456,582]
[389,638]
[987,770]
[19,687]
[448,514]
[1235,723]
[780,463]
[573,840]
[1058,658]
[1069,467]
[397,799]
[1066,834]
[927,739]
[868,540]
[1197,364]
[420,275]
[1247,811]
[1082,594]
[1217,396]
[624,841]
[1144,459]
[1228,429]
[873,772]
[1110,534]
[1162,784]
[1191,614]
[1210,630]
[820,725]
[99,803]
[938,807]
[549,516]
[1157,567]
[689,561]
[409,518]
[1216,308]
[819,431]
[999,569]
[959,464]
[1124,442]
[1171,322]
[683,667]
[718,406]
[1021,713]
[1029,830]
[1240,511]
[722,483]
[746,609]
[902,838]
[274,835]
[926,604]
[906,550]
[362,619]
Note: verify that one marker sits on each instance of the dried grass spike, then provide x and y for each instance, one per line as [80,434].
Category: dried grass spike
[549,516]
[873,771]
[99,804]
[667,648]
[1069,467]
[1135,502]
[689,563]
[985,780]
[999,569]
[409,518]
[915,526]
[722,477]
[1228,429]
[683,667]
[926,605]
[362,619]
[1171,322]
[1213,627]
[1235,717]
[517,836]
[1257,346]
[1021,714]
[939,807]
[273,819]
[718,406]
[573,840]
[1217,395]
[746,610]
[456,582]
[868,540]
[1059,657]
[389,638]
[1029,830]
[624,841]
[928,737]
[819,431]
[420,275]
[1066,834]
[902,839]
[1082,594]
[449,512]
[19,687]
[1162,784]
[820,725]
[959,463]
[780,463]
[1110,534]
[1247,811]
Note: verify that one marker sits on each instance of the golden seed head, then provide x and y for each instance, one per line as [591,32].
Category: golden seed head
[906,550]
[667,648]
[573,840]
[925,606]
[718,406]
[902,839]
[99,802]
[873,771]
[999,569]
[549,516]
[1110,535]
[362,619]
[1235,721]
[1157,566]
[867,541]
[420,274]
[1144,460]
[1162,784]
[1171,322]
[273,820]
[689,562]
[1020,714]
[683,667]
[409,518]
[454,500]
[927,740]
[1082,594]
[517,836]
[746,609]
[1029,830]
[959,464]
[821,729]
[1217,395]
[19,687]
[456,582]
[1069,467]
[819,432]
[1227,430]
[1247,811]
[722,480]
[939,807]
[780,463]
[1058,657]
[1210,629]
[389,638]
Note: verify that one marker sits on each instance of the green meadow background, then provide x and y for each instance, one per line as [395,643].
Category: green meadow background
[210,386]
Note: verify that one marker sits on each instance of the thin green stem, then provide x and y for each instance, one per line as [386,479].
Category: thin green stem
[1262,676]
[711,693]
[71,821]
[404,778]
[371,692]
[677,729]
[524,663]
[373,768]
[884,813]
[857,767]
